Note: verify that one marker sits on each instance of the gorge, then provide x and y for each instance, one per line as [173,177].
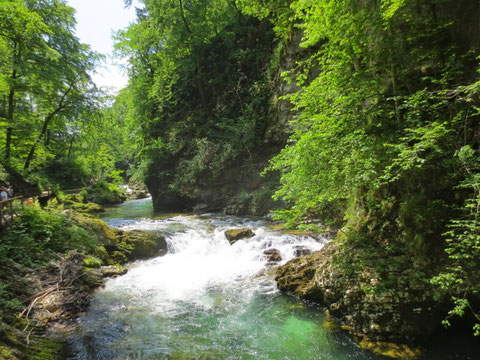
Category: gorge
[352,121]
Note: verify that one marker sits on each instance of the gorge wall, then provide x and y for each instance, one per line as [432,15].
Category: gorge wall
[228,140]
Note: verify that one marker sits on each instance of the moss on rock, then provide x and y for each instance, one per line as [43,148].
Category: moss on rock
[137,245]
[105,235]
[389,304]
[88,208]
[391,350]
[59,291]
[13,346]
[234,235]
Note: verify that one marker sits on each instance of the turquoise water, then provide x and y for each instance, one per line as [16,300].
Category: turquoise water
[206,299]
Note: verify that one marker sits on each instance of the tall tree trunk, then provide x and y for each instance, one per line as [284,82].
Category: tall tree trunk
[11,103]
[18,181]
[200,82]
[70,147]
[10,112]
[46,122]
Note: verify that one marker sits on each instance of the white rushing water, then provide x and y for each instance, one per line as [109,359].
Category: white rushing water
[207,299]
[201,259]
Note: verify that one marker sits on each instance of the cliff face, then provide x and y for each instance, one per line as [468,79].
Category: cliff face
[224,148]
[405,310]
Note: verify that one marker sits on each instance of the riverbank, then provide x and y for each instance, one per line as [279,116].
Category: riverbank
[199,243]
[386,303]
[42,291]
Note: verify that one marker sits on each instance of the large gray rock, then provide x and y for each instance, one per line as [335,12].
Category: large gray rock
[393,305]
[234,235]
[299,250]
[272,255]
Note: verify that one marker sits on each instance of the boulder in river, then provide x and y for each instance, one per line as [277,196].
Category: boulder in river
[299,250]
[272,255]
[234,235]
[139,245]
[113,271]
[120,246]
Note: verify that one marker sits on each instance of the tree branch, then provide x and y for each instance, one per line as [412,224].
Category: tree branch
[183,17]
[46,122]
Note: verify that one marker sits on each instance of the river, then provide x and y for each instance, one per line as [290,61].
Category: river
[206,299]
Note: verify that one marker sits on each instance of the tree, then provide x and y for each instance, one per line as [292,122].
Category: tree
[46,82]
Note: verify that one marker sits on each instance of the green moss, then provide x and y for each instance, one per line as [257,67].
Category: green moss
[106,235]
[234,235]
[118,257]
[102,254]
[6,354]
[92,262]
[89,208]
[44,349]
[13,346]
[141,244]
[391,350]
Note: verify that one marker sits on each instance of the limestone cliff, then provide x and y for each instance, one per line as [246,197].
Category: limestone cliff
[219,167]
[356,293]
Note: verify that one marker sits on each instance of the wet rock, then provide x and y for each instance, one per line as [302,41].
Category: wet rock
[99,229]
[234,235]
[119,246]
[353,294]
[113,271]
[88,208]
[299,250]
[272,255]
[139,245]
[200,208]
[137,195]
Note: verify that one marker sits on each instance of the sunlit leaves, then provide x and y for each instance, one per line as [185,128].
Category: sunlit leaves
[45,85]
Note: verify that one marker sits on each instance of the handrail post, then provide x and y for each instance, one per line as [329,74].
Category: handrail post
[11,210]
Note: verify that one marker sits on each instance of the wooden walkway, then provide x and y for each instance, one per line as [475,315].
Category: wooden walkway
[8,210]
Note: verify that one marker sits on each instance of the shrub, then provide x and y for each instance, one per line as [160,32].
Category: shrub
[37,234]
[106,194]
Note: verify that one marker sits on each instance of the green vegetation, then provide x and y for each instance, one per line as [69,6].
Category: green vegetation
[386,135]
[39,234]
[30,250]
[382,140]
[201,96]
[104,193]
[56,126]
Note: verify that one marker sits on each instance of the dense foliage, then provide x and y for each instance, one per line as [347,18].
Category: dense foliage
[384,140]
[200,86]
[55,128]
[38,235]
[384,133]
[386,136]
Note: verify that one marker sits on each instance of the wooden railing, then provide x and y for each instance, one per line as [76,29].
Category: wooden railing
[73,191]
[7,210]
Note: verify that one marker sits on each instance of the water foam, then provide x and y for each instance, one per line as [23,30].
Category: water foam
[200,260]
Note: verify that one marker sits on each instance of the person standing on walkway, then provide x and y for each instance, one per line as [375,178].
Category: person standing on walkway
[3,194]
